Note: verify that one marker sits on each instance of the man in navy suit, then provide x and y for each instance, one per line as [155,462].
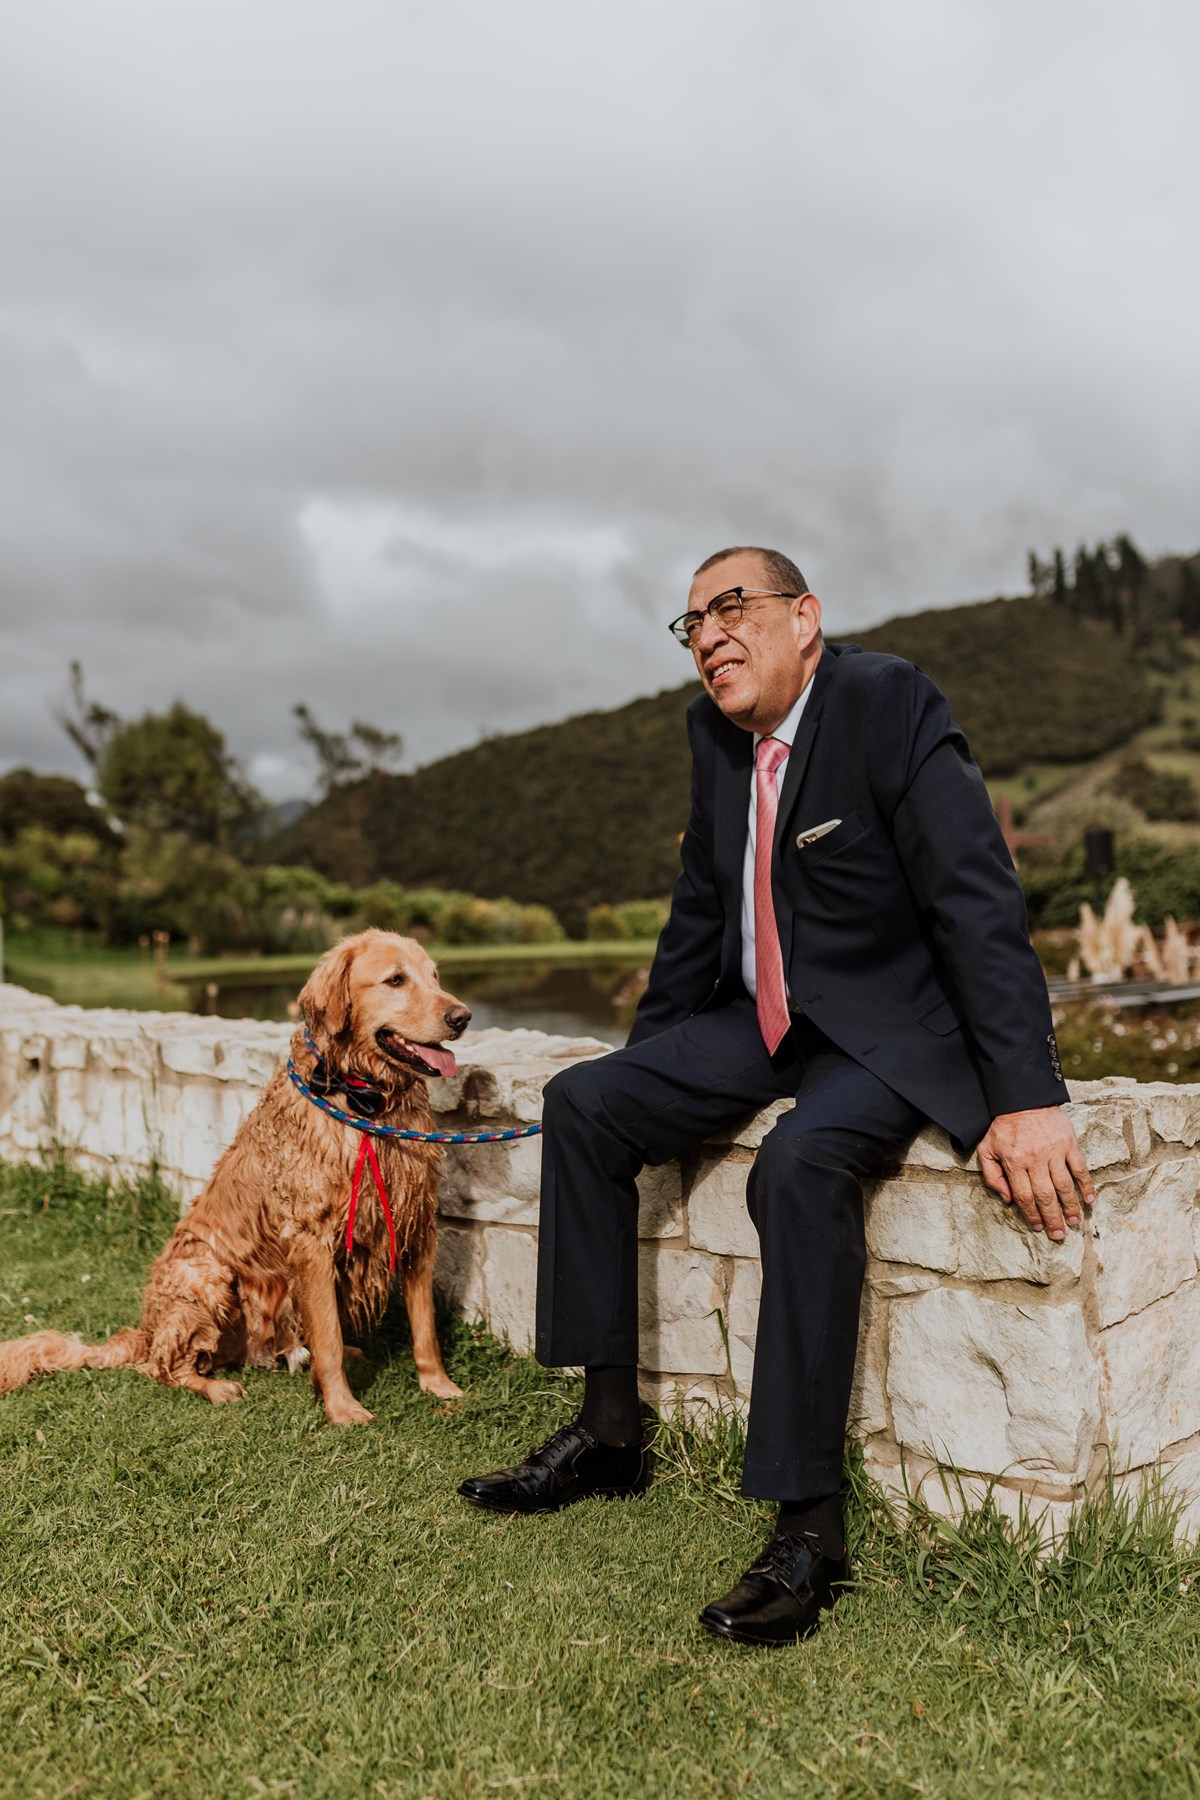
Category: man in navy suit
[847,928]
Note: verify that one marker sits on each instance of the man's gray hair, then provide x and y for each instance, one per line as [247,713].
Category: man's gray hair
[781,570]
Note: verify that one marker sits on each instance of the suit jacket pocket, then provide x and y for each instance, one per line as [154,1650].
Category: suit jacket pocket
[832,844]
[942,1020]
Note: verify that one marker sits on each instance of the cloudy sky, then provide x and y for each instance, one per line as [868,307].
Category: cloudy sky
[404,359]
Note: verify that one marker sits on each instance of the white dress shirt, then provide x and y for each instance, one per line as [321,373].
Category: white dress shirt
[786,733]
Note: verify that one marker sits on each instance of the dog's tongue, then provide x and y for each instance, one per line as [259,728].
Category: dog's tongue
[439,1059]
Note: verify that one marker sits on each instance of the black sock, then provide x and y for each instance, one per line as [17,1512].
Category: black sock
[821,1519]
[610,1404]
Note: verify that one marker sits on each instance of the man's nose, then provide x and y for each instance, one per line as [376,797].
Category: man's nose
[710,634]
[457,1018]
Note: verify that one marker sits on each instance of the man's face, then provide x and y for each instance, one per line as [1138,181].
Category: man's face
[755,670]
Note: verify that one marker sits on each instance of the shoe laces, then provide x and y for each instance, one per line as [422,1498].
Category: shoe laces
[781,1554]
[566,1437]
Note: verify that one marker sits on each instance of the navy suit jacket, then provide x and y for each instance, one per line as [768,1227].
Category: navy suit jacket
[903,931]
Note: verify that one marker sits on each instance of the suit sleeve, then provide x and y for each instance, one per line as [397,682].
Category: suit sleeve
[687,961]
[960,872]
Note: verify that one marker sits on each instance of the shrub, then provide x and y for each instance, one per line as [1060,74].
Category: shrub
[385,905]
[603,924]
[538,925]
[67,878]
[465,920]
[632,919]
[1157,793]
[1164,878]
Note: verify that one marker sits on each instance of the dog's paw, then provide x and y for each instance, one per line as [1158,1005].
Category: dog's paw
[348,1412]
[352,1353]
[224,1393]
[440,1386]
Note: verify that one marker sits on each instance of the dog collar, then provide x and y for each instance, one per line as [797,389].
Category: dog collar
[363,1097]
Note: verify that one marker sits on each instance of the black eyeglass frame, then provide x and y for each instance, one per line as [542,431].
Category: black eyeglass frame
[678,627]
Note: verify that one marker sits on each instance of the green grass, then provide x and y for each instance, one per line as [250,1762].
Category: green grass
[243,1601]
[79,972]
[570,952]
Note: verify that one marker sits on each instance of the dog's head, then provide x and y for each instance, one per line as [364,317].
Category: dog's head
[374,1003]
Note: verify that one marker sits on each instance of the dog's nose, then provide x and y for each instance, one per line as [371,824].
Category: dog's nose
[458,1018]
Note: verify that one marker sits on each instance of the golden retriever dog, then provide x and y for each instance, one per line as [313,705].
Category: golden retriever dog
[257,1272]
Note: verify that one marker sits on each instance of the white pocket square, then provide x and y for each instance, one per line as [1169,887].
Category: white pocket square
[814,832]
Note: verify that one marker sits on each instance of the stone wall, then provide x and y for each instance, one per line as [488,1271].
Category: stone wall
[983,1346]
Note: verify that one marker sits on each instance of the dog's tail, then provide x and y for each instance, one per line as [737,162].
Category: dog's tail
[45,1352]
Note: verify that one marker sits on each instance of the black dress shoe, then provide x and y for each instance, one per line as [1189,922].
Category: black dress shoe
[781,1596]
[572,1465]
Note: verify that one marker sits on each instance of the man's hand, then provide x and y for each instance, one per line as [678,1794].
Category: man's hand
[1034,1159]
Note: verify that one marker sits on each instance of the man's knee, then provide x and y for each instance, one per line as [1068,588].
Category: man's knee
[790,1151]
[581,1090]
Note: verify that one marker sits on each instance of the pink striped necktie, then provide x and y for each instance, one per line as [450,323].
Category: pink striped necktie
[773,1016]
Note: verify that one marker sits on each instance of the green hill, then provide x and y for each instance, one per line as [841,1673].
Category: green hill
[591,809]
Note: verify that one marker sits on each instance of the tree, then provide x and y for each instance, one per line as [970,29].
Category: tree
[88,724]
[1059,587]
[170,772]
[1129,582]
[53,801]
[1188,603]
[343,757]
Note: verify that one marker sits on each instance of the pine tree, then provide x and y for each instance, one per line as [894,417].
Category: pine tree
[1060,587]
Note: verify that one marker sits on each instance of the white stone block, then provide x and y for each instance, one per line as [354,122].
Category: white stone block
[681,1292]
[748,1133]
[952,1496]
[660,1202]
[1151,1366]
[249,1062]
[1174,1480]
[495,1182]
[892,1287]
[458,1271]
[914,1222]
[932,1149]
[995,1244]
[1181,1480]
[868,1396]
[1101,1133]
[70,1050]
[680,1396]
[716,1207]
[1175,1116]
[506,1071]
[745,1293]
[992,1386]
[1143,1232]
[510,1283]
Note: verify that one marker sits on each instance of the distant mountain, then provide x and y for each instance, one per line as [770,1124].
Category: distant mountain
[278,817]
[591,809]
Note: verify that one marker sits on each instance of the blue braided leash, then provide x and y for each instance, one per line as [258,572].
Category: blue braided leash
[393,1131]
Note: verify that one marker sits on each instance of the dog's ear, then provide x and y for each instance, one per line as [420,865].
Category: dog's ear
[325,997]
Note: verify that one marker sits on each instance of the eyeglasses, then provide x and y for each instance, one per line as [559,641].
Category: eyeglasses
[725,608]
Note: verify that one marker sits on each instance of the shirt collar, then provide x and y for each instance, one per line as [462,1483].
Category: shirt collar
[785,731]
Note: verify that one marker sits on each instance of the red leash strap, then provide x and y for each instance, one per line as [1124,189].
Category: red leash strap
[366,1153]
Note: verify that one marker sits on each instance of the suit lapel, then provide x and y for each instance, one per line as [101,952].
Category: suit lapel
[806,731]
[731,812]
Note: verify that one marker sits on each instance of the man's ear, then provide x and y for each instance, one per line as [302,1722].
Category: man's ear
[325,997]
[810,612]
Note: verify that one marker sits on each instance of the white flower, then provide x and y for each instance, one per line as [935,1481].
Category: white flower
[29,1319]
[85,1278]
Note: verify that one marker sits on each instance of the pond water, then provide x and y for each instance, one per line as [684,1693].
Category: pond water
[571,1002]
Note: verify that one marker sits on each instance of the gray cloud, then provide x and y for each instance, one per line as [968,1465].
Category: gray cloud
[406,362]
